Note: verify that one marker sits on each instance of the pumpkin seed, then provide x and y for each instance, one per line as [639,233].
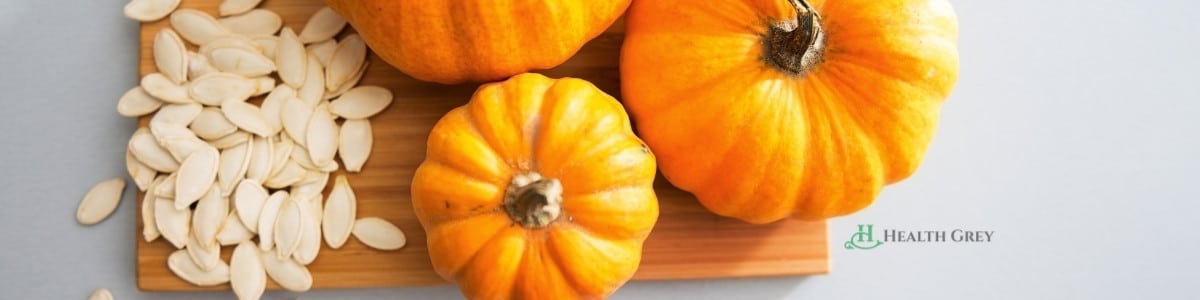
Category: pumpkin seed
[233,139]
[215,89]
[166,189]
[272,105]
[101,293]
[162,88]
[196,175]
[269,45]
[183,267]
[361,102]
[288,226]
[178,114]
[291,59]
[294,116]
[346,86]
[254,22]
[247,276]
[178,141]
[247,117]
[290,173]
[142,174]
[323,50]
[379,234]
[312,185]
[236,7]
[263,85]
[301,156]
[241,62]
[197,27]
[211,124]
[286,272]
[100,201]
[233,231]
[209,216]
[174,224]
[354,144]
[149,225]
[136,102]
[310,236]
[234,162]
[283,146]
[340,212]
[260,159]
[322,25]
[170,55]
[347,58]
[249,200]
[198,65]
[232,41]
[145,148]
[149,10]
[322,136]
[266,220]
[314,83]
[332,166]
[206,257]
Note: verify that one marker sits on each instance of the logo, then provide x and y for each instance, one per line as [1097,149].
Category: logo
[863,239]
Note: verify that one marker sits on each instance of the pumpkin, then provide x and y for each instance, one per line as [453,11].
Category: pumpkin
[536,189]
[769,109]
[453,41]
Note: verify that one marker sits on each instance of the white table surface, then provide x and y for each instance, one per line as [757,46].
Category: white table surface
[1073,133]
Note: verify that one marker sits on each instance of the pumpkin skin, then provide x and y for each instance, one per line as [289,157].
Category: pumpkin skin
[741,117]
[454,41]
[566,130]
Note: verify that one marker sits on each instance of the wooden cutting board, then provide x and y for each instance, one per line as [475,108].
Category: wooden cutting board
[688,242]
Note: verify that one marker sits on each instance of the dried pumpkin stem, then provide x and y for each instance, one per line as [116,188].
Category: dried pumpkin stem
[795,47]
[533,201]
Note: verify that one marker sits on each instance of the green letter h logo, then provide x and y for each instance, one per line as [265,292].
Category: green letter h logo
[863,239]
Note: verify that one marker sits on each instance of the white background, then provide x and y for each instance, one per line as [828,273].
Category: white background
[1073,134]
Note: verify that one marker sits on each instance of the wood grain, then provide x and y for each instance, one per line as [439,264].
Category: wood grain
[687,243]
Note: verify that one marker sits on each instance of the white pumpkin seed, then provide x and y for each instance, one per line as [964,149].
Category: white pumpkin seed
[170,55]
[232,41]
[266,220]
[341,209]
[183,267]
[379,234]
[241,62]
[331,167]
[247,276]
[236,7]
[301,156]
[197,27]
[323,25]
[286,272]
[310,236]
[291,59]
[215,89]
[323,50]
[209,216]
[361,102]
[211,124]
[136,102]
[233,231]
[349,84]
[354,144]
[196,175]
[198,65]
[269,45]
[313,90]
[272,105]
[166,189]
[290,173]
[142,174]
[312,185]
[347,58]
[249,200]
[295,114]
[283,149]
[254,22]
[145,148]
[206,257]
[321,137]
[100,201]
[263,85]
[288,226]
[178,114]
[260,159]
[101,293]
[234,162]
[233,139]
[149,225]
[162,88]
[247,117]
[174,224]
[178,141]
[149,10]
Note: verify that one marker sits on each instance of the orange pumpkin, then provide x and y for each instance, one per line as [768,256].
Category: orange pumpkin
[766,109]
[536,189]
[453,41]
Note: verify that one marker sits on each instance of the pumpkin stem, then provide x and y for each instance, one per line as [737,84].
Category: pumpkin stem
[533,201]
[795,47]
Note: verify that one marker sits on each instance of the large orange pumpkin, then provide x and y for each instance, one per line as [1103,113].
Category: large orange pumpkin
[536,189]
[453,41]
[770,108]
